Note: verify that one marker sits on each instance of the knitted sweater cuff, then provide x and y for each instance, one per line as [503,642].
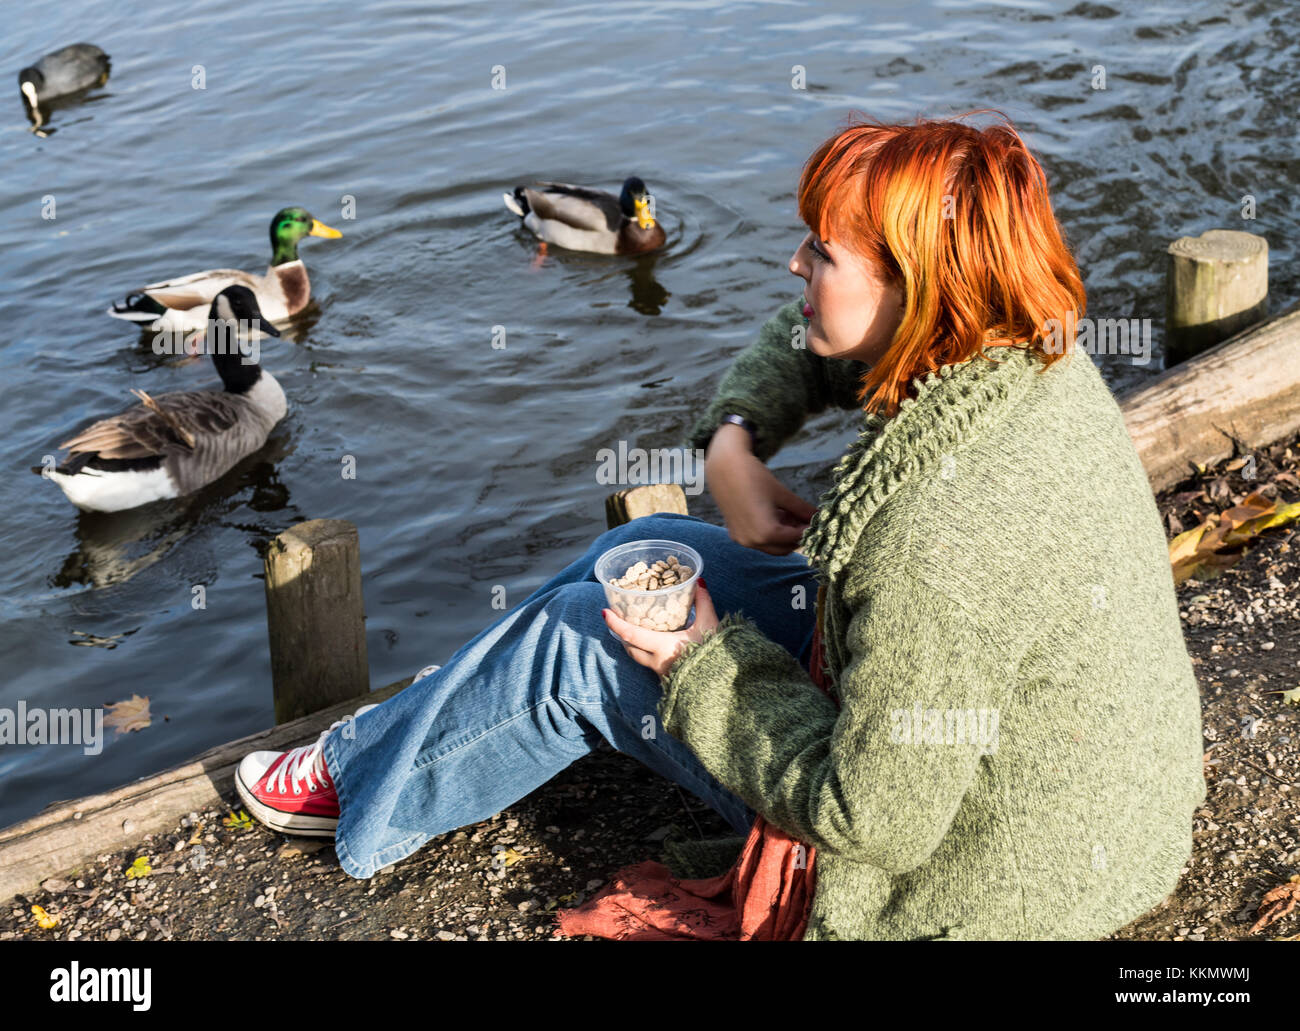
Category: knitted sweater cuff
[697,668]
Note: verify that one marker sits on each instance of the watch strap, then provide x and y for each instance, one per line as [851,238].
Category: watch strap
[743,423]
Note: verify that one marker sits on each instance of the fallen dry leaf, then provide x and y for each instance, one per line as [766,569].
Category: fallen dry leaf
[1291,697]
[510,857]
[241,822]
[1213,546]
[140,868]
[1277,903]
[1190,560]
[43,919]
[132,714]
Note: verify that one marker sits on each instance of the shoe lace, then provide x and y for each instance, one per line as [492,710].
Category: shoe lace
[306,762]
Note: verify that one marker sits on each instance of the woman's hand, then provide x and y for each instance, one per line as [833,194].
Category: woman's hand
[658,649]
[760,512]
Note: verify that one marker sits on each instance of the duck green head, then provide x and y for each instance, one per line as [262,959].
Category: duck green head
[288,227]
[635,202]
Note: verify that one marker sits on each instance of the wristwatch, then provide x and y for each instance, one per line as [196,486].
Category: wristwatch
[744,424]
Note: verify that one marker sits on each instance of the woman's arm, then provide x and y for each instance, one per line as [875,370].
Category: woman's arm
[868,780]
[777,386]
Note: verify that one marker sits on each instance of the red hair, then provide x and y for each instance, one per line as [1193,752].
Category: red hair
[960,219]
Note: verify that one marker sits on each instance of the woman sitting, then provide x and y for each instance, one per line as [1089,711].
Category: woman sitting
[987,725]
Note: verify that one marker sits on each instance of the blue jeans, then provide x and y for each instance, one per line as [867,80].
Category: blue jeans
[536,690]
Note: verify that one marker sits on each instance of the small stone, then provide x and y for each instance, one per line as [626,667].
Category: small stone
[400,935]
[445,936]
[300,847]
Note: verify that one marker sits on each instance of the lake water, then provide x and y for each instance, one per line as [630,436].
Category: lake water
[475,465]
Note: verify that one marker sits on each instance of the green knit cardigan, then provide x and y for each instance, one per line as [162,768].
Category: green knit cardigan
[1017,749]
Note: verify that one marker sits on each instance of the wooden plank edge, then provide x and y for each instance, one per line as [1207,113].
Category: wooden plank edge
[1267,408]
[67,834]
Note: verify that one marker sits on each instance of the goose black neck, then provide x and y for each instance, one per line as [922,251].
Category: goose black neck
[237,374]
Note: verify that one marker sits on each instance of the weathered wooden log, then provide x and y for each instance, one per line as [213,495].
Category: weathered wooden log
[67,834]
[1216,286]
[315,617]
[1246,388]
[625,505]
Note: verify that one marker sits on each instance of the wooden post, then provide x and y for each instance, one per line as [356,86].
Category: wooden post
[625,505]
[315,617]
[1216,286]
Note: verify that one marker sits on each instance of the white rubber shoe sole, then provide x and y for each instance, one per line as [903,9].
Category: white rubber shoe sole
[252,768]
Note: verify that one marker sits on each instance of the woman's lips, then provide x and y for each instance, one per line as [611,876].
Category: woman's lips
[807,310]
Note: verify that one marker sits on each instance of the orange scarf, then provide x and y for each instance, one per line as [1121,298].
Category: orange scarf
[765,896]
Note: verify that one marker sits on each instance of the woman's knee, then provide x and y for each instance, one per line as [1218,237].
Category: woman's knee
[576,606]
[671,526]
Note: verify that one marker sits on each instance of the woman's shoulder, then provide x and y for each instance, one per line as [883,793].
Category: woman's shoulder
[995,487]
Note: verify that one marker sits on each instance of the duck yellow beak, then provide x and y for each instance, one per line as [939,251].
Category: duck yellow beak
[643,213]
[321,229]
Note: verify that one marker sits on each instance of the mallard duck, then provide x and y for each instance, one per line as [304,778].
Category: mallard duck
[582,219]
[177,442]
[70,70]
[182,304]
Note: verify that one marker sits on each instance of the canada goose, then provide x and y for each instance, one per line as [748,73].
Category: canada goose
[582,219]
[182,304]
[177,442]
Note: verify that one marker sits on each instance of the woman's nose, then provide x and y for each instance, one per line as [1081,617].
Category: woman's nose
[796,266]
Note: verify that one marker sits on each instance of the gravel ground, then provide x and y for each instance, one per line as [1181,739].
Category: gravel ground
[503,878]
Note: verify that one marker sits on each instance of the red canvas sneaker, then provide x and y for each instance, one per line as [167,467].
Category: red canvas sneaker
[292,791]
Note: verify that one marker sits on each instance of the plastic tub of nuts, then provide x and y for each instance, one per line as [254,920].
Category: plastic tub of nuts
[650,583]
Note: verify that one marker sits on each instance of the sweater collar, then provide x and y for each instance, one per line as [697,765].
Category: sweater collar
[952,405]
